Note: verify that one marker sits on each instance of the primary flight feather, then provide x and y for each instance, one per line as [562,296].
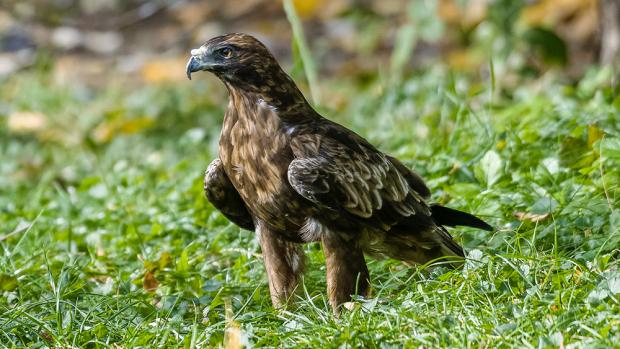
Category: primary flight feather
[293,176]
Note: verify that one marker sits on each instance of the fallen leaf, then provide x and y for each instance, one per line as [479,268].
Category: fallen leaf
[46,336]
[532,217]
[549,12]
[27,122]
[577,20]
[467,15]
[350,306]
[464,60]
[165,70]
[234,337]
[149,283]
[108,129]
[449,11]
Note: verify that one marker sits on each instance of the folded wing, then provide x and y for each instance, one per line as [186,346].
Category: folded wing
[339,170]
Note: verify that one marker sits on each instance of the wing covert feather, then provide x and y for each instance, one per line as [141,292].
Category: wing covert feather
[341,173]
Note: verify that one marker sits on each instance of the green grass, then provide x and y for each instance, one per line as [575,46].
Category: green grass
[86,219]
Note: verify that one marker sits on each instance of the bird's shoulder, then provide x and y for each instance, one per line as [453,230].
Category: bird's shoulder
[330,140]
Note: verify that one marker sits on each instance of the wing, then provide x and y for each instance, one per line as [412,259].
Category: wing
[223,195]
[337,169]
[415,181]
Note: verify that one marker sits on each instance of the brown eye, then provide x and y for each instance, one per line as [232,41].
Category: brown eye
[225,52]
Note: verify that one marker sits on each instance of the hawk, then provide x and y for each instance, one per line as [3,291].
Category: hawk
[293,176]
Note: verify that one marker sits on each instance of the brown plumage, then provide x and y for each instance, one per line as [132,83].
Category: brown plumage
[293,176]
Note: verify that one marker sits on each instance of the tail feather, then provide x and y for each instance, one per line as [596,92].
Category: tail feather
[449,246]
[448,252]
[451,217]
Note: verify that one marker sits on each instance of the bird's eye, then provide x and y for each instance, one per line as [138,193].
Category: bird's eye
[225,52]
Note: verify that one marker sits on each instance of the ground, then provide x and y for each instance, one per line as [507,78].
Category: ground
[107,239]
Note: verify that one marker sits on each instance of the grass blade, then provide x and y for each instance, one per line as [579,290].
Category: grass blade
[306,58]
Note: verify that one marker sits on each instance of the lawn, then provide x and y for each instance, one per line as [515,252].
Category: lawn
[107,240]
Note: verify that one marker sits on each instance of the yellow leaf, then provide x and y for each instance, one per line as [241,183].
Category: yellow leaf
[165,70]
[501,144]
[594,134]
[307,8]
[164,260]
[462,59]
[8,282]
[105,131]
[468,15]
[551,12]
[136,125]
[26,122]
[449,11]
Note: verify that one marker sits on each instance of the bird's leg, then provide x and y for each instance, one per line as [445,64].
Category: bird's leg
[284,263]
[223,195]
[347,273]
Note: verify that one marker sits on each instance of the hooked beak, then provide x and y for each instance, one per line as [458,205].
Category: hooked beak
[197,62]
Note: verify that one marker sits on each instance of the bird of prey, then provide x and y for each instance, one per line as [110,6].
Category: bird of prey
[293,176]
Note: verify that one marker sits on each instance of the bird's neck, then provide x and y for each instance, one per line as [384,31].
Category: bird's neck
[282,96]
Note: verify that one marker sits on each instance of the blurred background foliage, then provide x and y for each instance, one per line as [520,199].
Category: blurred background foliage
[142,45]
[146,39]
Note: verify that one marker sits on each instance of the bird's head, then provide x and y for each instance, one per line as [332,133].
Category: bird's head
[244,63]
[235,58]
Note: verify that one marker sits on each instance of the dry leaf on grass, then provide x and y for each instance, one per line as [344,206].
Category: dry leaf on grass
[234,337]
[149,283]
[108,129]
[26,122]
[532,217]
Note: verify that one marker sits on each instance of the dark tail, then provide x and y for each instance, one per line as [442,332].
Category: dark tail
[451,218]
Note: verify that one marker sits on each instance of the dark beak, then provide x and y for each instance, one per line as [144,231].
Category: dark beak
[192,66]
[197,62]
